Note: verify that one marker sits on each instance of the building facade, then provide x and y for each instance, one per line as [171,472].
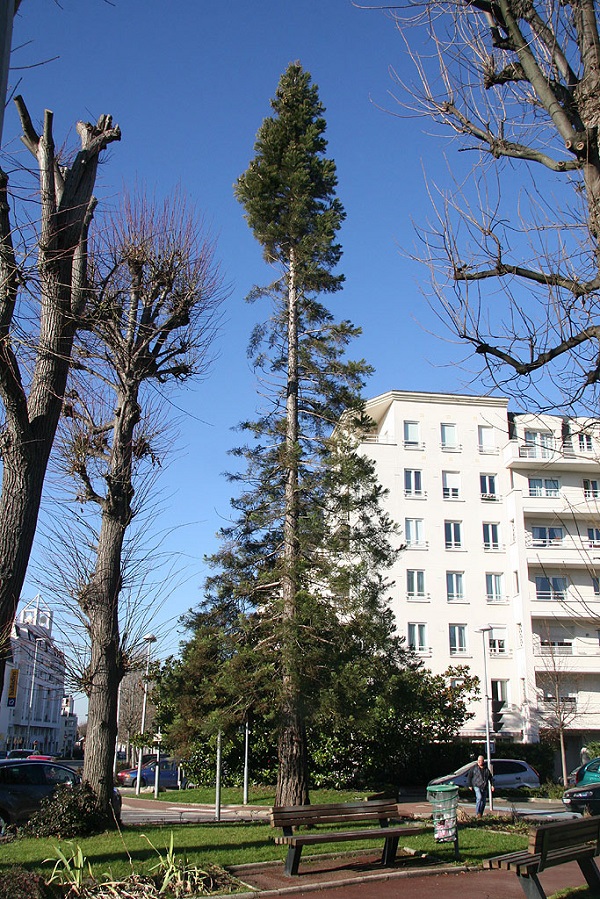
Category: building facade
[32,711]
[500,515]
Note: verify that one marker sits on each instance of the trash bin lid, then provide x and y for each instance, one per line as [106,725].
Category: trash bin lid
[442,788]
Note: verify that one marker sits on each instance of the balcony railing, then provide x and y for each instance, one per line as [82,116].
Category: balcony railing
[554,649]
[491,497]
[551,595]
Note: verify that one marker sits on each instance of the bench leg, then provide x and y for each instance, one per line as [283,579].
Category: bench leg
[390,847]
[589,869]
[293,860]
[531,886]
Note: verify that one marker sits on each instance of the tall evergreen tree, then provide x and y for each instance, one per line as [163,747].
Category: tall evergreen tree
[310,539]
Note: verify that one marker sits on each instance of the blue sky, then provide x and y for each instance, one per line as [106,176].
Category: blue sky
[189,83]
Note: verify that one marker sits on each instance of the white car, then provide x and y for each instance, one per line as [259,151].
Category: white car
[509,774]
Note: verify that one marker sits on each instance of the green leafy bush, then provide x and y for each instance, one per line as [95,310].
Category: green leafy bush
[69,812]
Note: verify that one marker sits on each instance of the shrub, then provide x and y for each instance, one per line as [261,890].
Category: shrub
[69,812]
[18,883]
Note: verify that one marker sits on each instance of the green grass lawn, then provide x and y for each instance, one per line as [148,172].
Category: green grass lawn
[118,854]
[257,795]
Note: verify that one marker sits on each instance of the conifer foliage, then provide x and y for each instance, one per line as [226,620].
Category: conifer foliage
[304,555]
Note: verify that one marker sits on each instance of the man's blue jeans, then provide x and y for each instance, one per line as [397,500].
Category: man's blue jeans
[480,799]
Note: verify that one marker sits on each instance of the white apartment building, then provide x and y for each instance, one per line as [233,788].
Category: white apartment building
[500,515]
[32,699]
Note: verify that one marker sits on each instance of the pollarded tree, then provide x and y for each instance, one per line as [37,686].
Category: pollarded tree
[40,310]
[514,245]
[151,321]
[294,551]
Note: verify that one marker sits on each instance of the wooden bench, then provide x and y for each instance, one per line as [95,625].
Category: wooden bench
[381,810]
[551,845]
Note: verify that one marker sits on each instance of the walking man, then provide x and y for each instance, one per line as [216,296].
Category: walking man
[478,779]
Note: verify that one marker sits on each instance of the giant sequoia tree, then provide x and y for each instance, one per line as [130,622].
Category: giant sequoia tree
[41,305]
[514,246]
[309,538]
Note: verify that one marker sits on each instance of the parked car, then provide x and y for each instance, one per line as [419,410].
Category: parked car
[585,774]
[19,753]
[168,775]
[509,774]
[25,782]
[583,798]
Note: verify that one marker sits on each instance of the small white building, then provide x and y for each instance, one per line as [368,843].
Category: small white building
[500,514]
[32,698]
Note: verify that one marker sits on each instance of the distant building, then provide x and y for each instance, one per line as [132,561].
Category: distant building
[31,711]
[500,514]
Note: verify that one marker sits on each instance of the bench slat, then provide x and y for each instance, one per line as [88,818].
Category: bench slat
[341,836]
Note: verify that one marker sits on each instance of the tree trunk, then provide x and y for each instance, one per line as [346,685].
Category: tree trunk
[31,421]
[100,603]
[292,780]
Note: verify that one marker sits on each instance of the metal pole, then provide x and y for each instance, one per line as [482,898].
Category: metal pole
[484,632]
[218,785]
[246,755]
[157,769]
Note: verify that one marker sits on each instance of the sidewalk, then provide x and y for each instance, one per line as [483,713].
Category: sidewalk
[357,877]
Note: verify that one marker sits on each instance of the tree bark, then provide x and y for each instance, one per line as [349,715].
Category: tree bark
[292,781]
[31,420]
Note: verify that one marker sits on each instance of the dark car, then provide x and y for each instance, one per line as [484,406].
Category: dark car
[170,777]
[25,782]
[509,774]
[583,798]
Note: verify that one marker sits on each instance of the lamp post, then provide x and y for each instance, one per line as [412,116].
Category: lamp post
[38,640]
[484,631]
[149,639]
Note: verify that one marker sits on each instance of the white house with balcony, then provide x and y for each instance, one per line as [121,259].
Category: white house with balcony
[501,518]
[32,698]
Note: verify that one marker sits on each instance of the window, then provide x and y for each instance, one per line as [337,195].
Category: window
[546,536]
[451,484]
[414,531]
[494,587]
[500,690]
[413,482]
[593,537]
[497,641]
[596,586]
[487,485]
[491,535]
[458,639]
[417,636]
[455,585]
[590,489]
[552,588]
[538,445]
[585,443]
[415,583]
[411,435]
[452,534]
[543,487]
[485,438]
[449,436]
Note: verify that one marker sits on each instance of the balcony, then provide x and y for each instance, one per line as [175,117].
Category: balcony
[555,456]
[451,447]
[564,501]
[414,494]
[413,445]
[491,497]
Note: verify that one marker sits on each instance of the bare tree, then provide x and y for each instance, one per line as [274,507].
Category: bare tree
[40,309]
[513,243]
[151,320]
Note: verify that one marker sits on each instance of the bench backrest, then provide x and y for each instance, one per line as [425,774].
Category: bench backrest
[341,813]
[565,835]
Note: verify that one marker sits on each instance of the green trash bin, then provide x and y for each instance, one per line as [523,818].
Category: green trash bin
[444,799]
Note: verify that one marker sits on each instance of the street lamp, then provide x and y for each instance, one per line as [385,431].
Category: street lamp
[38,640]
[149,639]
[484,631]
